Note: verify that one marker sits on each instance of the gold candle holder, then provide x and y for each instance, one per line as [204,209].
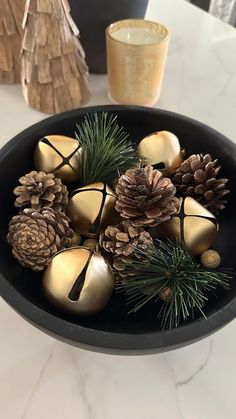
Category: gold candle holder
[136,57]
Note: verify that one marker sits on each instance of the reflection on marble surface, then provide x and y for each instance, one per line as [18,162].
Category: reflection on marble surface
[224,10]
[42,378]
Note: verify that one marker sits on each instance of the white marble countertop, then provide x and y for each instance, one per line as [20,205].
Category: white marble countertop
[43,378]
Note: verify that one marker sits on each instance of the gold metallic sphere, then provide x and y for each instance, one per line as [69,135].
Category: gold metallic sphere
[78,281]
[76,239]
[60,155]
[163,149]
[90,243]
[194,225]
[92,208]
[210,259]
[166,294]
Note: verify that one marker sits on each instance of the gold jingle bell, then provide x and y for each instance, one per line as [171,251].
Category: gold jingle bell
[59,155]
[162,149]
[78,281]
[194,225]
[92,209]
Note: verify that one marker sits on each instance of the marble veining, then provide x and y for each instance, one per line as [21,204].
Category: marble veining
[37,384]
[199,369]
[44,378]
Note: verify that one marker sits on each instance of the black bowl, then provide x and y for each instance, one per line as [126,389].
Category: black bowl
[112,331]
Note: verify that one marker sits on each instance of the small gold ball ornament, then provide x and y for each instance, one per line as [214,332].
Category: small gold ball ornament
[166,294]
[162,148]
[90,244]
[76,239]
[92,208]
[59,155]
[78,281]
[210,259]
[193,225]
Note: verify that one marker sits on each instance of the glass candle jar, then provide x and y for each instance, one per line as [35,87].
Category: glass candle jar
[136,57]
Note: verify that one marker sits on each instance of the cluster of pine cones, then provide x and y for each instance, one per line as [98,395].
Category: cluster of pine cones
[145,199]
[42,228]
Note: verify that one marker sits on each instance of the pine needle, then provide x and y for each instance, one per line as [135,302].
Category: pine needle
[107,151]
[171,266]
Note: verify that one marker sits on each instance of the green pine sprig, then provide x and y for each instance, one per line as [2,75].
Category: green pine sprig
[172,267]
[106,152]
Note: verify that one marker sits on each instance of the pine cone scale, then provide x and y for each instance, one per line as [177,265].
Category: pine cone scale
[199,176]
[187,178]
[200,189]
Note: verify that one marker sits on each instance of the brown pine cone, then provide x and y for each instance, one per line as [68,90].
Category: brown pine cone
[123,238]
[123,265]
[37,236]
[197,177]
[145,197]
[40,189]
[120,270]
[122,241]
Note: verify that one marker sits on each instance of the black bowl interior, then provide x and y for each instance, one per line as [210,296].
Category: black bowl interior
[113,329]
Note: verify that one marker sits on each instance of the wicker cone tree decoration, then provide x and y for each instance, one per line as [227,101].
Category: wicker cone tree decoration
[54,71]
[11,15]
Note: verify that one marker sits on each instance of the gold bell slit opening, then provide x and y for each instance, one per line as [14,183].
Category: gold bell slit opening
[162,150]
[78,281]
[92,208]
[136,58]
